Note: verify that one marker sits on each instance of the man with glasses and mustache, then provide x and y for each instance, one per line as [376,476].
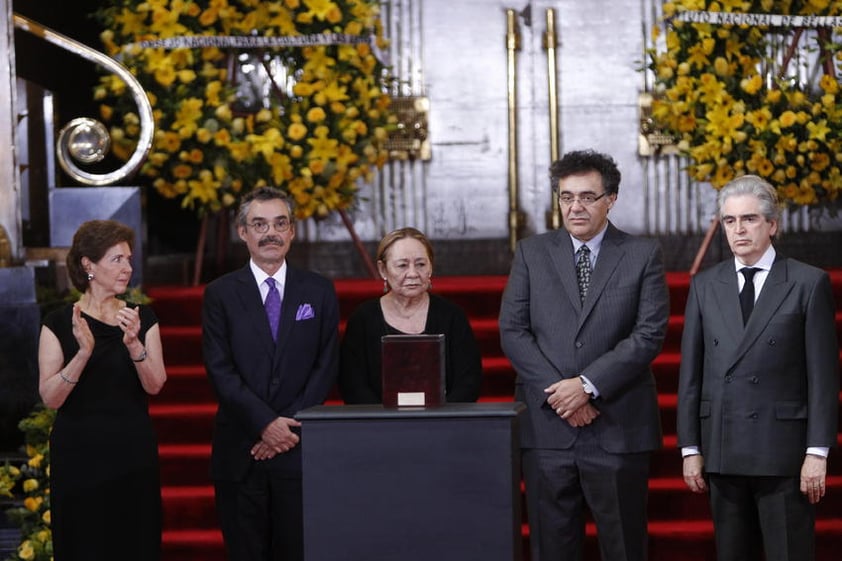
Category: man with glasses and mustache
[270,343]
[583,315]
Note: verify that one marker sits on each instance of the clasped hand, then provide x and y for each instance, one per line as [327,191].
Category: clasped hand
[277,438]
[570,402]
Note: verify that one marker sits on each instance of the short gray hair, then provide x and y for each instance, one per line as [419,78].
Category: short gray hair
[264,194]
[755,186]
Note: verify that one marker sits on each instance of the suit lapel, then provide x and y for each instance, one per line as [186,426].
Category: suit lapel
[252,304]
[289,306]
[727,294]
[561,254]
[610,255]
[775,290]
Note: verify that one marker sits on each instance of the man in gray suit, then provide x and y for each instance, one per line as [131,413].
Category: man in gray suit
[583,315]
[759,385]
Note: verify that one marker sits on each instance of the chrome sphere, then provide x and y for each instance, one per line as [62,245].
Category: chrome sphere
[85,140]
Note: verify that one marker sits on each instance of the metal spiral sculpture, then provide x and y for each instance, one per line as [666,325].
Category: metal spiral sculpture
[86,140]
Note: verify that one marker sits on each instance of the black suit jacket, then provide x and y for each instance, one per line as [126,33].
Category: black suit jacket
[257,380]
[753,399]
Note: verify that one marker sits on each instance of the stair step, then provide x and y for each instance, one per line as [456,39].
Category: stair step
[189,507]
[184,342]
[185,381]
[183,422]
[185,464]
[192,545]
[189,464]
[477,296]
[684,541]
[192,422]
[193,506]
[191,380]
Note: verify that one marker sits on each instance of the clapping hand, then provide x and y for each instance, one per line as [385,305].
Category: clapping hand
[129,321]
[82,331]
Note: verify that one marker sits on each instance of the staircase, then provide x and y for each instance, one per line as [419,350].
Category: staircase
[679,521]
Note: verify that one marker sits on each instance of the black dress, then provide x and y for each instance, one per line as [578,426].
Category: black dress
[360,356]
[105,493]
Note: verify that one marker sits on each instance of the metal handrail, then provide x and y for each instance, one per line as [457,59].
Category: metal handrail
[551,46]
[147,125]
[512,46]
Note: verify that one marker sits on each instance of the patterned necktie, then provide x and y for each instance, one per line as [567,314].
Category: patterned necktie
[583,270]
[747,294]
[273,307]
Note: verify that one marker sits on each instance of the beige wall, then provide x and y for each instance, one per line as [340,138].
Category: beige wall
[459,60]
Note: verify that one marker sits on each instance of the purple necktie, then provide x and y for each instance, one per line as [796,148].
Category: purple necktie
[273,307]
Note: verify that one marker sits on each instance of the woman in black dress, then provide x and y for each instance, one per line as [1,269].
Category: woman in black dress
[405,262]
[99,358]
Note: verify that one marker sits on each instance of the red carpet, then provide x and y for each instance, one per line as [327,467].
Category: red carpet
[679,521]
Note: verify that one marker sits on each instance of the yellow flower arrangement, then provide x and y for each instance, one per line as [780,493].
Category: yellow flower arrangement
[732,119]
[29,485]
[314,125]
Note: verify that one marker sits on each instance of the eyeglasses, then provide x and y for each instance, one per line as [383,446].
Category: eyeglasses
[586,199]
[262,227]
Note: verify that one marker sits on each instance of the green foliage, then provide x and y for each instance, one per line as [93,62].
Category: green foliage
[28,486]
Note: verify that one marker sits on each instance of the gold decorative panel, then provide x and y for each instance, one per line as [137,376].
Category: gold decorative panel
[409,140]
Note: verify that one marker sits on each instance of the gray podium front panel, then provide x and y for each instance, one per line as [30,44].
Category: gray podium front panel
[412,484]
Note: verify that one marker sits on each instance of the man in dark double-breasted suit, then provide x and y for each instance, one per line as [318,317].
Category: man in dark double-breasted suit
[583,315]
[759,382]
[270,345]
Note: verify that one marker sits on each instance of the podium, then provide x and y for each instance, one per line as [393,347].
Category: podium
[412,484]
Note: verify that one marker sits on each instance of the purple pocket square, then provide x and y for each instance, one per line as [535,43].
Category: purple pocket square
[305,311]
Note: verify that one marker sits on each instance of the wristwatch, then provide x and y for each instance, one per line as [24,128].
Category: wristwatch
[587,387]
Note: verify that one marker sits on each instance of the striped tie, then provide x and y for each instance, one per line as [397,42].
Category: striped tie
[583,271]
